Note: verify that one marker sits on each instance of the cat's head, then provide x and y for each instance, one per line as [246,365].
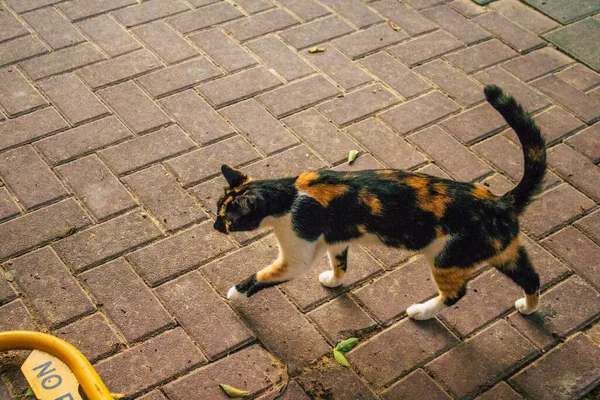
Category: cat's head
[238,209]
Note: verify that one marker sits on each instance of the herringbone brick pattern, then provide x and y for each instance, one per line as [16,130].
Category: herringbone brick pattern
[115,116]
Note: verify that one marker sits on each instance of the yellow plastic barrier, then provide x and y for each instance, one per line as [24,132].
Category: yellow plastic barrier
[87,377]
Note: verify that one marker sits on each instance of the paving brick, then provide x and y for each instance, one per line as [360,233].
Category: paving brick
[20,6]
[261,24]
[164,41]
[37,227]
[590,224]
[576,40]
[363,161]
[49,287]
[154,395]
[426,47]
[335,381]
[306,291]
[386,145]
[369,40]
[119,69]
[260,372]
[419,112]
[531,100]
[594,333]
[305,9]
[564,309]
[53,28]
[93,336]
[405,17]
[547,266]
[475,124]
[261,129]
[395,74]
[417,384]
[573,99]
[434,170]
[236,87]
[148,11]
[29,177]
[488,357]
[61,61]
[190,293]
[136,109]
[178,77]
[30,127]
[358,104]
[316,32]
[107,240]
[94,185]
[162,195]
[420,4]
[555,123]
[354,11]
[8,208]
[74,100]
[82,140]
[169,354]
[20,49]
[389,257]
[388,298]
[551,377]
[126,300]
[342,318]
[467,8]
[223,50]
[400,349]
[292,391]
[515,36]
[206,162]
[296,341]
[578,251]
[196,117]
[580,77]
[320,134]
[524,16]
[179,253]
[452,81]
[12,28]
[79,9]
[14,316]
[288,163]
[298,96]
[456,24]
[480,56]
[500,392]
[553,209]
[565,13]
[255,6]
[205,17]
[339,68]
[201,3]
[537,63]
[576,169]
[16,94]
[109,35]
[280,58]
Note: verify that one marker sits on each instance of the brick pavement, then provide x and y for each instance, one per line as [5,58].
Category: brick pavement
[116,114]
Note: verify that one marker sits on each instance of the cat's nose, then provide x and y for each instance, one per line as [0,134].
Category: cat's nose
[220,225]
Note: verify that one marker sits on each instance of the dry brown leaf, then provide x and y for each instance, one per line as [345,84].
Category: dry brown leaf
[394,26]
[316,50]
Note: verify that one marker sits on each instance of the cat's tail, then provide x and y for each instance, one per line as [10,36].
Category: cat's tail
[532,141]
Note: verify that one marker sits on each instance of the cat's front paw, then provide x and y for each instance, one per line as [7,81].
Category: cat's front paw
[327,279]
[424,311]
[234,295]
[521,305]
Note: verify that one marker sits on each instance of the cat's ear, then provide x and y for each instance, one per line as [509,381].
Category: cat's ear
[234,177]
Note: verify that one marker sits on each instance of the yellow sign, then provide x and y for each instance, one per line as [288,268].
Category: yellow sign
[50,378]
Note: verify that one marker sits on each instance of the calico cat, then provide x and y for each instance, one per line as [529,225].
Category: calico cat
[456,225]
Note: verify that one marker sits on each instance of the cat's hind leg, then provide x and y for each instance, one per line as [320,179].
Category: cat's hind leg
[338,260]
[514,262]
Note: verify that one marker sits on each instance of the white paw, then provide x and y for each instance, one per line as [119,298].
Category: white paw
[521,305]
[234,295]
[426,310]
[328,280]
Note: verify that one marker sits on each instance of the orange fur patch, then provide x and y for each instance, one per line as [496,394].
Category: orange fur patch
[370,200]
[508,257]
[361,228]
[434,201]
[532,300]
[451,280]
[439,231]
[223,208]
[273,272]
[480,192]
[321,192]
[388,174]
